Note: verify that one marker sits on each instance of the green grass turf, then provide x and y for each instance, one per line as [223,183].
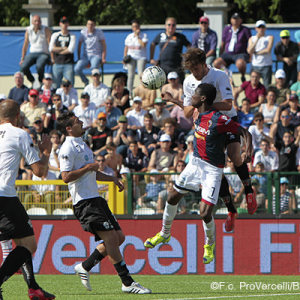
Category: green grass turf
[68,287]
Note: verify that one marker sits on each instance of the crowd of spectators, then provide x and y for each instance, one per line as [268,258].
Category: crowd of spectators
[131,129]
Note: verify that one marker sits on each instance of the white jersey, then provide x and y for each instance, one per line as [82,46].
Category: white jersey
[14,143]
[73,155]
[218,79]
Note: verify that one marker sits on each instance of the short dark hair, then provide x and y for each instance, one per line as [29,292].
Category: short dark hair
[65,120]
[148,116]
[247,100]
[272,89]
[207,90]
[265,141]
[169,121]
[192,57]
[258,115]
[54,132]
[135,21]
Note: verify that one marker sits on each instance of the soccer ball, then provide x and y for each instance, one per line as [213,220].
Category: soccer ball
[153,78]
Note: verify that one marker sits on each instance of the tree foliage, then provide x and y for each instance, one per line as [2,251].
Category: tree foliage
[12,14]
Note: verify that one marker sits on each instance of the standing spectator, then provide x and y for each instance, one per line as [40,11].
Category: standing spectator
[266,156]
[120,94]
[260,46]
[254,91]
[33,109]
[147,95]
[135,52]
[68,94]
[47,90]
[269,109]
[94,49]
[62,46]
[136,116]
[287,52]
[97,90]
[19,93]
[282,92]
[170,43]
[112,113]
[206,39]
[38,36]
[159,112]
[245,117]
[286,201]
[295,88]
[233,47]
[85,111]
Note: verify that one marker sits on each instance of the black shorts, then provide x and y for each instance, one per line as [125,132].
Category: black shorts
[94,215]
[14,221]
[231,137]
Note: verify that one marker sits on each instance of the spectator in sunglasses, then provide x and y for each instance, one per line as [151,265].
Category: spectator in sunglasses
[68,94]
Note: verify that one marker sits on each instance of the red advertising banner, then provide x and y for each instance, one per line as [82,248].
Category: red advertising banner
[257,246]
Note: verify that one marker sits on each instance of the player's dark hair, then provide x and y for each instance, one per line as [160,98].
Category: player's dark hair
[193,57]
[65,120]
[207,90]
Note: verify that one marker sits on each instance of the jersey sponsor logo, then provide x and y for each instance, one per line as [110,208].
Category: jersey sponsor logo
[65,157]
[200,130]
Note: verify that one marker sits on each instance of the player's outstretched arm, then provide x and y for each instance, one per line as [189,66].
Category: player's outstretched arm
[103,177]
[166,96]
[223,105]
[69,176]
[248,142]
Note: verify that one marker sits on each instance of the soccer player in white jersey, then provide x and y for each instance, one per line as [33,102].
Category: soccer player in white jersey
[15,224]
[80,171]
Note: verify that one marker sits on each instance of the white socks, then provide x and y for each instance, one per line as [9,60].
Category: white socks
[6,246]
[209,230]
[168,217]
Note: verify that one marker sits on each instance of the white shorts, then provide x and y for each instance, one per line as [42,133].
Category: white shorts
[198,172]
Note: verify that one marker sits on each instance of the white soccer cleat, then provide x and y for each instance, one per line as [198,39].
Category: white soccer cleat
[84,276]
[135,288]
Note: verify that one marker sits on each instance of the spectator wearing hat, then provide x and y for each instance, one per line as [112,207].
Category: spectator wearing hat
[159,112]
[136,115]
[206,39]
[38,128]
[68,94]
[100,135]
[120,94]
[174,87]
[287,52]
[269,109]
[97,90]
[282,92]
[53,111]
[38,36]
[46,91]
[112,113]
[85,111]
[233,47]
[32,109]
[62,46]
[259,47]
[164,158]
[19,93]
[147,95]
[136,53]
[94,49]
[295,88]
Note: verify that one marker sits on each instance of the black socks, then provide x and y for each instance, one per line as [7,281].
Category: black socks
[27,270]
[92,260]
[225,195]
[123,272]
[243,173]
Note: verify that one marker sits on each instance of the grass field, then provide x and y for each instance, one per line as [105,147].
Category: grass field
[68,287]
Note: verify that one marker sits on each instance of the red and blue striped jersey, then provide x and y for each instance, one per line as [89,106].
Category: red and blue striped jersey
[211,129]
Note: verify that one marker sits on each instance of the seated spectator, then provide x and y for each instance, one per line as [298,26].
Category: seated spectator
[97,90]
[163,159]
[147,95]
[53,159]
[135,48]
[85,111]
[113,159]
[265,156]
[112,113]
[94,49]
[103,168]
[120,94]
[99,136]
[254,91]
[206,39]
[233,47]
[147,136]
[260,46]
[38,36]
[46,91]
[245,117]
[68,94]
[185,124]
[297,38]
[33,109]
[259,131]
[269,109]
[188,153]
[39,129]
[261,186]
[159,112]
[150,198]
[282,92]
[295,88]
[178,169]
[174,87]
[135,160]
[61,47]
[53,111]
[287,52]
[135,116]
[19,93]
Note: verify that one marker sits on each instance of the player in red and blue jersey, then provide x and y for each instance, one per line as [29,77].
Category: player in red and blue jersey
[205,168]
